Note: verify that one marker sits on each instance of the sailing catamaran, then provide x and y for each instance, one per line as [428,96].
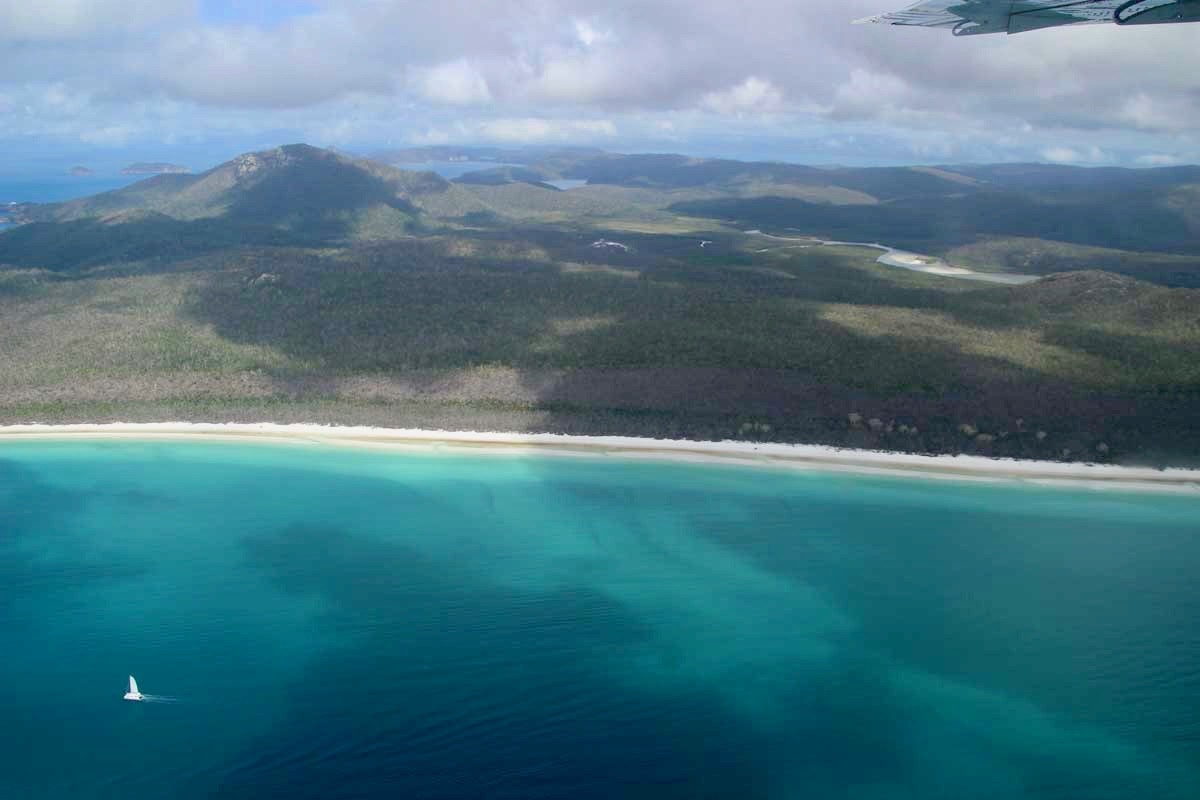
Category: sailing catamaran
[133,693]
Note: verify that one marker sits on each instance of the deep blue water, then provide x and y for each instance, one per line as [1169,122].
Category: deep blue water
[56,188]
[357,624]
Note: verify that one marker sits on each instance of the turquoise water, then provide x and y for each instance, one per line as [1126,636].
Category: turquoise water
[356,624]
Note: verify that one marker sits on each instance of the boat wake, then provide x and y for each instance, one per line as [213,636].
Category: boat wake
[159,698]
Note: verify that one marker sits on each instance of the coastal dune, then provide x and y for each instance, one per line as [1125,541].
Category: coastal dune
[788,456]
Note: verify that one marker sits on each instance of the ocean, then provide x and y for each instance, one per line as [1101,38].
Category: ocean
[319,622]
[57,188]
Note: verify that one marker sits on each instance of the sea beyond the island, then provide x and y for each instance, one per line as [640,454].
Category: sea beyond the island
[331,622]
[56,188]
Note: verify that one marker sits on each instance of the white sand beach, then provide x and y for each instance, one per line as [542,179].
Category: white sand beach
[788,456]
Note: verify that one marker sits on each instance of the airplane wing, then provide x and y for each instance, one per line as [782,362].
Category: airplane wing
[972,17]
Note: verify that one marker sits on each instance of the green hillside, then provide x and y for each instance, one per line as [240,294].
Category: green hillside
[951,225]
[294,194]
[1044,257]
[295,187]
[298,284]
[1144,223]
[1031,218]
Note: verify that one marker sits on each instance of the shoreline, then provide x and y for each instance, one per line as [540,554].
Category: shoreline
[816,458]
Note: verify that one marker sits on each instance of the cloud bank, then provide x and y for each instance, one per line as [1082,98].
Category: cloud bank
[780,77]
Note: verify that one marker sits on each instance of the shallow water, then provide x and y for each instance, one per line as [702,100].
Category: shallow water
[340,623]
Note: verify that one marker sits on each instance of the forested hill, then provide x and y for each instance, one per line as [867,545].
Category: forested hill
[300,284]
[928,209]
[295,194]
[291,186]
[1015,217]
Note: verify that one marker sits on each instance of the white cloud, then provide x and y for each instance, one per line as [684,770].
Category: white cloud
[762,68]
[575,80]
[589,35]
[751,96]
[433,136]
[456,83]
[1071,155]
[1147,113]
[1062,155]
[533,130]
[47,20]
[518,130]
[870,93]
[312,60]
[109,135]
[61,100]
[1158,160]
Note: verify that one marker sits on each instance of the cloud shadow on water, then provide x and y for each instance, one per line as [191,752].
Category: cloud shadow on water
[484,690]
[1002,649]
[42,552]
[664,641]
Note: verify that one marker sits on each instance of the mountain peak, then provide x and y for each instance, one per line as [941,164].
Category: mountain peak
[248,164]
[294,192]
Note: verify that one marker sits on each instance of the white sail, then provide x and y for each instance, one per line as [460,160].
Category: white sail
[133,686]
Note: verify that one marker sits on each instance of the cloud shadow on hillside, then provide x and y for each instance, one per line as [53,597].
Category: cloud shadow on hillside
[666,345]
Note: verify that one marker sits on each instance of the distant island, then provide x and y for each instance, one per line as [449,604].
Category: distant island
[154,168]
[81,172]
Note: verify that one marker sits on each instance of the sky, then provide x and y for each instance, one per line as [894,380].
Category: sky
[195,81]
